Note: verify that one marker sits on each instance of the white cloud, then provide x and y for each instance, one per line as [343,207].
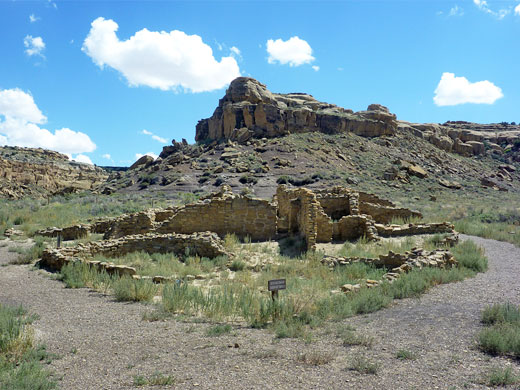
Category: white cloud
[294,51]
[139,155]
[517,10]
[154,137]
[316,68]
[83,159]
[33,18]
[34,45]
[20,118]
[107,156]
[483,6]
[159,139]
[458,90]
[456,11]
[165,60]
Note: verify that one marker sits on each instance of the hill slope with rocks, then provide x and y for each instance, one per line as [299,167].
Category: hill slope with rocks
[256,139]
[39,173]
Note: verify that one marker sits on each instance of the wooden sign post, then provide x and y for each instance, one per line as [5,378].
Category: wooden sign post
[275,285]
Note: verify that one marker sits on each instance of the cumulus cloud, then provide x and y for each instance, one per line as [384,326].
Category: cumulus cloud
[294,51]
[107,156]
[165,60]
[34,46]
[81,158]
[33,18]
[154,137]
[517,10]
[316,68]
[20,120]
[139,155]
[454,90]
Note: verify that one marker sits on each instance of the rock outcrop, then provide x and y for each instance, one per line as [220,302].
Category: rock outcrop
[466,138]
[250,110]
[40,172]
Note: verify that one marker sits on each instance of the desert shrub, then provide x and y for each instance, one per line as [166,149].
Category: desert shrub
[363,365]
[470,255]
[218,330]
[128,289]
[349,338]
[316,358]
[404,354]
[20,360]
[247,179]
[501,313]
[501,377]
[156,379]
[502,334]
[237,265]
[28,255]
[80,274]
[368,300]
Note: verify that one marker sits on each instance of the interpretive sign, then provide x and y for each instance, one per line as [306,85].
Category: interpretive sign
[276,284]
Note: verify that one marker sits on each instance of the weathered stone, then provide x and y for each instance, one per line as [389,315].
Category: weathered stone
[249,110]
[142,161]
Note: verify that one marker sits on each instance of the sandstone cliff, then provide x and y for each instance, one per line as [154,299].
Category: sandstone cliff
[467,138]
[250,110]
[40,172]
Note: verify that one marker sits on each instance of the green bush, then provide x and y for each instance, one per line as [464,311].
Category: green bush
[502,334]
[501,377]
[470,255]
[20,361]
[128,289]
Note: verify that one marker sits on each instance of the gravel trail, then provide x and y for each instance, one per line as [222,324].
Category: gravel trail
[104,344]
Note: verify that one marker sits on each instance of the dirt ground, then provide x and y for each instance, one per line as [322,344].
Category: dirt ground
[104,344]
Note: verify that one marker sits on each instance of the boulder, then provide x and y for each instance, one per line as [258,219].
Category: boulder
[143,161]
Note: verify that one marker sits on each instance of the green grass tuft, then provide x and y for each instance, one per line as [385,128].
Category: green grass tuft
[502,333]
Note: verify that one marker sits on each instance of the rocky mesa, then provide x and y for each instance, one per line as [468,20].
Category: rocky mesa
[250,110]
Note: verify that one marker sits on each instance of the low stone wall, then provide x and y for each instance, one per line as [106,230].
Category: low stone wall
[67,234]
[385,214]
[397,263]
[413,229]
[137,223]
[206,244]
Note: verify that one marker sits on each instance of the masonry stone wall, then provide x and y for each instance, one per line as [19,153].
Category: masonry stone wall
[231,213]
[205,244]
[385,214]
[354,226]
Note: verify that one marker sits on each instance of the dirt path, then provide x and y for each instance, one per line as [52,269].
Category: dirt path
[104,344]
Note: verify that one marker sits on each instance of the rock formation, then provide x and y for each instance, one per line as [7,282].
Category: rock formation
[40,172]
[249,109]
[466,138]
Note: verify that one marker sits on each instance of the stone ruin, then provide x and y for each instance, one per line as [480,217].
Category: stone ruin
[320,216]
[204,244]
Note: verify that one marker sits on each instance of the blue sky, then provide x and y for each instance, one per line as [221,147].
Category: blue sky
[87,78]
